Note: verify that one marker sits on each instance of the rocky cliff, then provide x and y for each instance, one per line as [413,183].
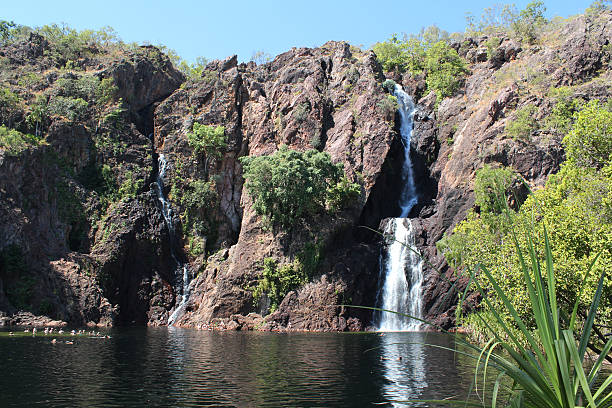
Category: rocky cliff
[82,234]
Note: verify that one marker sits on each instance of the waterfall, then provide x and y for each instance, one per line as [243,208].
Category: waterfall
[403,279]
[162,164]
[402,266]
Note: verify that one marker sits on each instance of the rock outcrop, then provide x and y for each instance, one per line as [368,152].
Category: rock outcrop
[82,235]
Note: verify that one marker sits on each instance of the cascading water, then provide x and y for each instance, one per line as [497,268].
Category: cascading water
[167,213]
[402,269]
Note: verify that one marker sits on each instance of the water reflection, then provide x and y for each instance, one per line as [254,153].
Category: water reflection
[177,367]
[404,366]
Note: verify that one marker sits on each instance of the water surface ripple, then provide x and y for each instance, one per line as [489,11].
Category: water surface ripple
[189,368]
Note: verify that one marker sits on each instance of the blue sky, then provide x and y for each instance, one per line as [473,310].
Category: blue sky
[222,28]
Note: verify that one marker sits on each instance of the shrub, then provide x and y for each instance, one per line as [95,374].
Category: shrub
[9,106]
[130,187]
[73,109]
[199,198]
[389,85]
[6,30]
[106,91]
[261,57]
[438,61]
[38,115]
[562,114]
[14,142]
[524,124]
[490,188]
[207,139]
[289,186]
[492,44]
[589,144]
[575,207]
[300,113]
[278,280]
[529,20]
[445,70]
[388,106]
[193,70]
[84,87]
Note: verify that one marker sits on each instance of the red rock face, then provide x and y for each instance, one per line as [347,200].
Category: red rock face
[325,98]
[114,266]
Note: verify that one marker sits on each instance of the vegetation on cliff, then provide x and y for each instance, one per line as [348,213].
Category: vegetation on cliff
[289,186]
[575,207]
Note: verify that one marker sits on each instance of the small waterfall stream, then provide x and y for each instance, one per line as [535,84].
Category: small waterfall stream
[402,267]
[167,213]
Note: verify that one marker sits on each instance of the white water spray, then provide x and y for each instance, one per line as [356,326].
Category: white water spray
[167,213]
[402,267]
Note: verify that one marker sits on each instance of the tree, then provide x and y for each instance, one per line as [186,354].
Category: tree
[589,144]
[444,69]
[6,30]
[207,139]
[575,207]
[289,186]
[529,20]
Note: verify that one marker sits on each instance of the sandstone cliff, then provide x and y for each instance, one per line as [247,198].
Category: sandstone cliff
[82,234]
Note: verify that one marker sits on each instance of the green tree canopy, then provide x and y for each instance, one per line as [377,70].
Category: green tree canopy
[288,185]
[589,144]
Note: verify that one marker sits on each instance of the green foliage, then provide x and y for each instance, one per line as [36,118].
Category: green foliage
[300,113]
[289,186]
[15,142]
[492,43]
[524,124]
[562,115]
[38,115]
[316,141]
[401,55]
[261,57]
[6,30]
[130,187]
[84,87]
[207,139]
[505,19]
[598,6]
[575,208]
[589,144]
[493,20]
[278,280]
[115,118]
[69,45]
[106,91]
[193,70]
[539,358]
[9,106]
[529,20]
[490,188]
[389,85]
[199,199]
[73,109]
[342,194]
[388,106]
[444,69]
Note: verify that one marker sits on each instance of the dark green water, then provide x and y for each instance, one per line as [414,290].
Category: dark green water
[176,367]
